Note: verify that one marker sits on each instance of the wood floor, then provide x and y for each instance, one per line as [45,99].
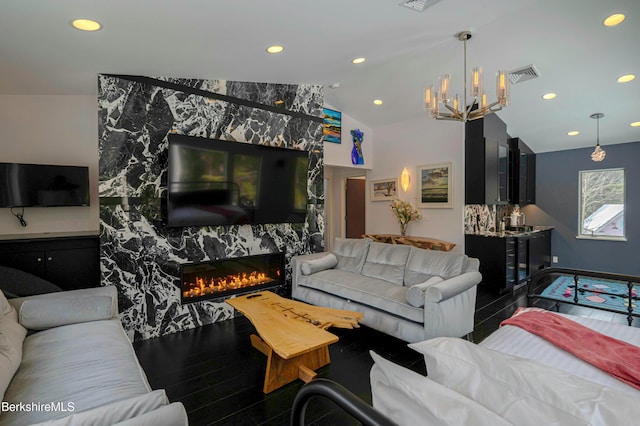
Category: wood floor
[216,373]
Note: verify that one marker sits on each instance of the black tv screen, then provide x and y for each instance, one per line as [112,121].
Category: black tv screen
[214,182]
[42,185]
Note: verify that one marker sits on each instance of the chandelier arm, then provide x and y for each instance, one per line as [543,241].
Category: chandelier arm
[452,109]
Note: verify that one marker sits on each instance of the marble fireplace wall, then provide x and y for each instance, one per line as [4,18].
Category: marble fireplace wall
[139,254]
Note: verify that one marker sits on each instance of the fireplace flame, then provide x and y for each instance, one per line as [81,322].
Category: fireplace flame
[202,286]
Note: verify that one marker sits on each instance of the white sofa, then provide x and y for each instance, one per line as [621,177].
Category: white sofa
[66,360]
[404,291]
[512,377]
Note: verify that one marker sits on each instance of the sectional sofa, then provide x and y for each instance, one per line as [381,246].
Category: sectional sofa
[66,360]
[407,292]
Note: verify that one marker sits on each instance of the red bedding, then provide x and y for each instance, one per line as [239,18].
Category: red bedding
[615,357]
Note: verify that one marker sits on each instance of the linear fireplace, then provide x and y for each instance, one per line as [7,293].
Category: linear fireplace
[224,277]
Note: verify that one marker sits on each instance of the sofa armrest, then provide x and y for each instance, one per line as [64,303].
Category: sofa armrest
[296,264]
[53,302]
[447,289]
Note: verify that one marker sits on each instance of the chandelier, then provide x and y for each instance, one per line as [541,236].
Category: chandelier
[478,108]
[598,154]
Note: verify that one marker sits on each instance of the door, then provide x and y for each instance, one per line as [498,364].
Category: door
[354,208]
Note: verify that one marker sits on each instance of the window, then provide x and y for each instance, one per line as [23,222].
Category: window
[602,204]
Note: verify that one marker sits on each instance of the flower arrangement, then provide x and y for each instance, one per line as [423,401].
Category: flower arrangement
[404,212]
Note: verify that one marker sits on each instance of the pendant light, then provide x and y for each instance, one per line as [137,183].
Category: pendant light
[598,154]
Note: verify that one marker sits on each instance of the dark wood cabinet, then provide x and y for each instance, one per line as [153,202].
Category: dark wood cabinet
[68,262]
[507,262]
[487,161]
[498,260]
[539,256]
[522,173]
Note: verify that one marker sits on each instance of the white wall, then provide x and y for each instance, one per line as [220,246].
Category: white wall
[340,154]
[337,167]
[411,144]
[51,129]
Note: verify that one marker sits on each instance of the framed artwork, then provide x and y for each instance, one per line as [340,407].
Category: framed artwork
[384,189]
[332,126]
[436,186]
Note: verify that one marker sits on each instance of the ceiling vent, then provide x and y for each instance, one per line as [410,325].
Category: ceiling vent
[418,5]
[523,74]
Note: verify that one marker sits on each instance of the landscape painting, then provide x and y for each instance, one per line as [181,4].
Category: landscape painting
[332,127]
[436,186]
[384,189]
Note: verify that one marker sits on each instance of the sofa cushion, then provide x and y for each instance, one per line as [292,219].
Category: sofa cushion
[312,266]
[523,391]
[373,292]
[386,261]
[409,398]
[12,336]
[415,293]
[40,314]
[424,264]
[90,364]
[351,253]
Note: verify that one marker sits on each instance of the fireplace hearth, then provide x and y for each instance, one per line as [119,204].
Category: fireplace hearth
[225,277]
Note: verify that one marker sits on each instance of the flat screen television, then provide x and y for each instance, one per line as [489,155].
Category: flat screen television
[213,182]
[43,185]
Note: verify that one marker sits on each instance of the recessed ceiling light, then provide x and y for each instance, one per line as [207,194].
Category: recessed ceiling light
[573,133]
[626,78]
[549,96]
[377,102]
[635,124]
[613,20]
[358,60]
[86,24]
[275,49]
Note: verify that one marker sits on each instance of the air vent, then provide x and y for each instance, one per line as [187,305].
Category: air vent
[418,5]
[523,74]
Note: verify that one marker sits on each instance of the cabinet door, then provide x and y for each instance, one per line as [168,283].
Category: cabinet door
[531,179]
[72,269]
[32,262]
[539,251]
[503,172]
[523,259]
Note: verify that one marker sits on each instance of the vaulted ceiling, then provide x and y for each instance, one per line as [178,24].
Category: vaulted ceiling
[575,55]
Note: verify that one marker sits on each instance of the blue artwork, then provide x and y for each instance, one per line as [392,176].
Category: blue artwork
[356,152]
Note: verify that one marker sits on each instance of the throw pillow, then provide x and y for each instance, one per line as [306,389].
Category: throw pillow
[312,266]
[12,336]
[522,391]
[409,398]
[5,307]
[415,293]
[42,314]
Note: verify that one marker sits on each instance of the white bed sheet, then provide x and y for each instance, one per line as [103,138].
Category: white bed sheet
[518,342]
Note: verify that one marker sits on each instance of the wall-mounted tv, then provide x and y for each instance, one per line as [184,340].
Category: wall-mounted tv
[214,182]
[42,185]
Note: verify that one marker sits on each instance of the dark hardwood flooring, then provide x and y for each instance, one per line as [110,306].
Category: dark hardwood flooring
[216,373]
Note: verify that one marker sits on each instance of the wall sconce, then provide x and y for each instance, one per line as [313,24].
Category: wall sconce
[405,179]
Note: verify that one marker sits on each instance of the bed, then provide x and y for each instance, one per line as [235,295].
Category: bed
[512,377]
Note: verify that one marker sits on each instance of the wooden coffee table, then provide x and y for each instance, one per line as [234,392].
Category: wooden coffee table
[292,335]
